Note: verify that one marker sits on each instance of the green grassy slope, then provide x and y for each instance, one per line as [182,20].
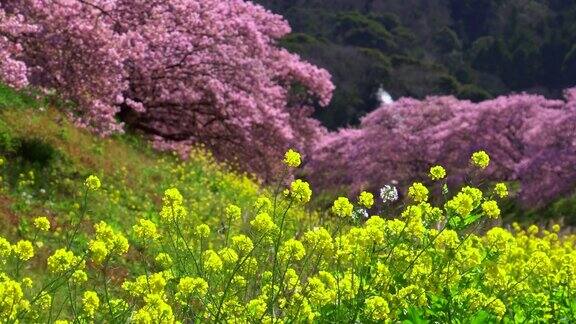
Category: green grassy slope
[46,160]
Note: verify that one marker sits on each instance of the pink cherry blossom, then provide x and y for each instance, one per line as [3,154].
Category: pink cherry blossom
[184,72]
[531,139]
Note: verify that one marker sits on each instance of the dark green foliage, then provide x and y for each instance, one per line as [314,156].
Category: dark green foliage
[473,93]
[447,40]
[474,49]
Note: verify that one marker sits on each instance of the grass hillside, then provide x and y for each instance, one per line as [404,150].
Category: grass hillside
[46,159]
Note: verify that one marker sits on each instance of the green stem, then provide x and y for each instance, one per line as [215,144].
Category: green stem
[106,296]
[231,277]
[425,248]
[275,262]
[77,226]
[72,302]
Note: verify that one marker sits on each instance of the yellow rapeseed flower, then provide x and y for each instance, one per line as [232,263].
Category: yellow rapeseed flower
[491,209]
[92,183]
[480,159]
[300,191]
[145,230]
[292,159]
[212,261]
[263,223]
[188,287]
[418,192]
[376,308]
[42,224]
[79,277]
[501,190]
[437,172]
[366,199]
[5,250]
[342,207]
[98,250]
[242,243]
[90,303]
[24,250]
[233,213]
[292,250]
[163,260]
[61,261]
[203,231]
[462,204]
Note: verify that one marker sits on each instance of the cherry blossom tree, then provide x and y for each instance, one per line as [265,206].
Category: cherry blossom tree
[184,72]
[12,71]
[531,139]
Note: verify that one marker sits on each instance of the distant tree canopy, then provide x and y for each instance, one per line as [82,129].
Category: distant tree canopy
[529,137]
[472,49]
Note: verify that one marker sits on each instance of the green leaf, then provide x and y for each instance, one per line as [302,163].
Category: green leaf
[415,316]
[471,219]
[480,318]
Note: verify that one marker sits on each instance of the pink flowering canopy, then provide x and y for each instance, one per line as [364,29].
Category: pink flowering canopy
[12,71]
[183,71]
[532,141]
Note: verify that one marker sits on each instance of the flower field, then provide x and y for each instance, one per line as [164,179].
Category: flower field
[263,258]
[173,162]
